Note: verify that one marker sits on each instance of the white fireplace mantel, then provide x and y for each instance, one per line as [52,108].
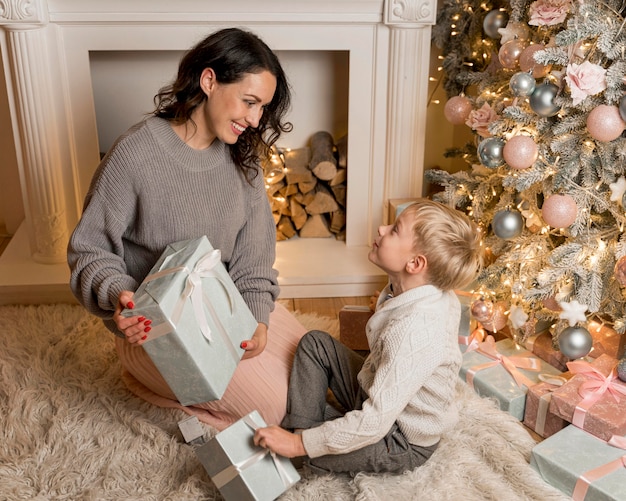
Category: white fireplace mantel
[45,53]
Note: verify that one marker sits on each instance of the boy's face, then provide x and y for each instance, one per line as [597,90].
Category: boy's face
[394,248]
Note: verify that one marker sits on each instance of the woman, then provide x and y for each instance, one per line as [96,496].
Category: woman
[191,169]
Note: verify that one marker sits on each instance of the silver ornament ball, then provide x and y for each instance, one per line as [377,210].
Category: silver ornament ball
[507,224]
[575,342]
[494,20]
[522,84]
[542,100]
[490,151]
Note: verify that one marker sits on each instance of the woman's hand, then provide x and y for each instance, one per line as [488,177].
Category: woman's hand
[280,441]
[135,329]
[256,345]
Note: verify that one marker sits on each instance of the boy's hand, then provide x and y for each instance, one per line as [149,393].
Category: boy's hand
[256,345]
[280,441]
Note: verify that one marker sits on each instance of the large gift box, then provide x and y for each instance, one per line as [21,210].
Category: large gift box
[241,470]
[199,319]
[594,399]
[503,370]
[582,466]
[537,415]
[606,341]
[542,345]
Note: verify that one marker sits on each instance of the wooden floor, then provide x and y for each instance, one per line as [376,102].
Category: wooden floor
[324,307]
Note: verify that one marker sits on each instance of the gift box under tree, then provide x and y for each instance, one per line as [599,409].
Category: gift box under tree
[241,470]
[582,466]
[199,320]
[504,370]
[537,415]
[594,399]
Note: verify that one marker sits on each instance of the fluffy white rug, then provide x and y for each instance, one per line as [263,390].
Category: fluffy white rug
[71,431]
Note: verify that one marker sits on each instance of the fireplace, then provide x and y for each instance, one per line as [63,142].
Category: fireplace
[49,48]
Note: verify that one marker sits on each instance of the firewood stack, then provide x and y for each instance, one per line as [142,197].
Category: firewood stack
[307,188]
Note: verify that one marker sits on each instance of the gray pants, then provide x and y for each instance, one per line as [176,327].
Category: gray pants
[323,363]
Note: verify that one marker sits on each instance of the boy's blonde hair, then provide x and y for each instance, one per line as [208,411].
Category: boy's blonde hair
[451,242]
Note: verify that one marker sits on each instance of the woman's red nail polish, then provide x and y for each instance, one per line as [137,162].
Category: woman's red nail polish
[147,322]
[130,305]
[141,319]
[147,329]
[144,337]
[244,345]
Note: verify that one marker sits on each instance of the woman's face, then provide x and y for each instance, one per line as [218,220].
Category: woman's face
[231,108]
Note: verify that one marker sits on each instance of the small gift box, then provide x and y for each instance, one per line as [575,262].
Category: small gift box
[198,320]
[352,322]
[469,335]
[537,415]
[542,346]
[594,399]
[606,341]
[582,466]
[241,470]
[396,206]
[505,371]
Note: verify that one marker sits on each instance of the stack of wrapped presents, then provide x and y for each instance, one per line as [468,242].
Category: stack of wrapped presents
[578,407]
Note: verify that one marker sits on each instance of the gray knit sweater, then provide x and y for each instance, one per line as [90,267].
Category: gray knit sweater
[409,375]
[151,190]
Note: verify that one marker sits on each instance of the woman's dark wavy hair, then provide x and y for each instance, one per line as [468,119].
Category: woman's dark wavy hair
[231,53]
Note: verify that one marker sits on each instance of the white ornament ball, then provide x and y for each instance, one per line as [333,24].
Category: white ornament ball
[605,123]
[575,342]
[510,52]
[559,211]
[507,224]
[520,152]
[528,63]
[457,109]
[494,20]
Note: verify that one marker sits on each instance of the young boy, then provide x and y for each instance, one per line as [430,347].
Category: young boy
[400,399]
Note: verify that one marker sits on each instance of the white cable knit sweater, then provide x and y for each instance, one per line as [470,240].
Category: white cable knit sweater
[409,376]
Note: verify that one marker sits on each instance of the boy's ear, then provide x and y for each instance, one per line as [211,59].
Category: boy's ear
[417,264]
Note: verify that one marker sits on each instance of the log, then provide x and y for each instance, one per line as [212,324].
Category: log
[315,227]
[298,214]
[337,220]
[323,163]
[342,152]
[340,194]
[306,187]
[323,202]
[297,166]
[340,177]
[286,227]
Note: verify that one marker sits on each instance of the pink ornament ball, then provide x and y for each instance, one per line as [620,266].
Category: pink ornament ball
[604,123]
[528,63]
[510,52]
[457,109]
[559,211]
[520,152]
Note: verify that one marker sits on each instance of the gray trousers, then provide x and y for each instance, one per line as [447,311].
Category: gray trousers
[323,363]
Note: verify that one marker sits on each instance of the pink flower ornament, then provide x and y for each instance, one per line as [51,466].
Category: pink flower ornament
[480,119]
[548,12]
[584,80]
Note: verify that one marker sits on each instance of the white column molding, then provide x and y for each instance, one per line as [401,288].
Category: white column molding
[410,29]
[25,23]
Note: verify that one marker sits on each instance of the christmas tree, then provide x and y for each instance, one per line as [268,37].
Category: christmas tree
[542,86]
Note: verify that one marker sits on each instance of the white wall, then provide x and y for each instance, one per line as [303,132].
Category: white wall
[125,83]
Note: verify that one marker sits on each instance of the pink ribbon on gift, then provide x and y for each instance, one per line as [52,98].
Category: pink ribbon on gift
[544,400]
[474,339]
[596,385]
[511,363]
[585,480]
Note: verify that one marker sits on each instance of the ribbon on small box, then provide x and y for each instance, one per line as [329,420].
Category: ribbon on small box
[232,471]
[596,385]
[204,267]
[474,339]
[511,363]
[544,400]
[587,478]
